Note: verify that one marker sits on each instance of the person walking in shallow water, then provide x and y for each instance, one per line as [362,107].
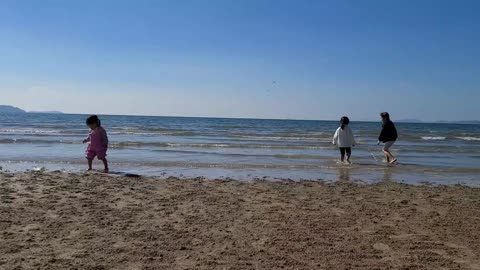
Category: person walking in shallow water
[344,139]
[388,136]
[97,142]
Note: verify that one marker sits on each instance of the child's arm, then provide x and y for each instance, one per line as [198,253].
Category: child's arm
[105,138]
[382,134]
[335,137]
[353,138]
[88,139]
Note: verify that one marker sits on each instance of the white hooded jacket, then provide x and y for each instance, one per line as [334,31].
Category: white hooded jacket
[344,137]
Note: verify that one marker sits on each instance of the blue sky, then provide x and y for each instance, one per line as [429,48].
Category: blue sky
[243,58]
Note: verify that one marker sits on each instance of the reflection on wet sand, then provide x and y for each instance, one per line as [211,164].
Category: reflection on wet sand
[343,174]
[387,174]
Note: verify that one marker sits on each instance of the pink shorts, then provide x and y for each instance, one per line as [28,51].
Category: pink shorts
[100,154]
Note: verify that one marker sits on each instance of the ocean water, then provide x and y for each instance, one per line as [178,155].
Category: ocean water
[243,148]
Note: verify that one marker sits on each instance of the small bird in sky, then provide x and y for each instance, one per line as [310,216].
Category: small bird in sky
[268,90]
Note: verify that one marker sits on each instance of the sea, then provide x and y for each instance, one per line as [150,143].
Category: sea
[242,149]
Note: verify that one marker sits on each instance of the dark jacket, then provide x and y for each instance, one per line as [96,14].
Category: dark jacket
[389,132]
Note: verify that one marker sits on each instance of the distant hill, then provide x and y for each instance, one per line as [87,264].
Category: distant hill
[410,121]
[10,109]
[466,122]
[473,122]
[47,112]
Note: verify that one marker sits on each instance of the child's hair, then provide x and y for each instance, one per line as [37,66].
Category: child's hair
[345,121]
[93,120]
[385,116]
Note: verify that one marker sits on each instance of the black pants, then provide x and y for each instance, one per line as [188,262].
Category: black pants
[347,150]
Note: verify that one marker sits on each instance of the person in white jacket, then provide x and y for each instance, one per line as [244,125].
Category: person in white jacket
[344,139]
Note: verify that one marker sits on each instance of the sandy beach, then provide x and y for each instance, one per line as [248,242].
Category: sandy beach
[54,220]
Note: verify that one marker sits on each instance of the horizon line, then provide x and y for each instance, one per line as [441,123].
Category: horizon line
[407,121]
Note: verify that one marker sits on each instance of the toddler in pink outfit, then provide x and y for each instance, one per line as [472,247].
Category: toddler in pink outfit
[97,142]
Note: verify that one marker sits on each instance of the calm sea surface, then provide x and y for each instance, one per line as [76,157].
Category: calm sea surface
[242,148]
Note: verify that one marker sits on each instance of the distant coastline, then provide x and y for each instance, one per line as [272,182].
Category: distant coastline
[13,109]
[462,122]
[10,109]
[47,112]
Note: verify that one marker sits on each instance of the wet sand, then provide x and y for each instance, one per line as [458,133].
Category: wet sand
[68,221]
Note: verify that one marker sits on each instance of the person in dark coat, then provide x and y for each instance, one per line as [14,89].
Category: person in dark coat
[388,136]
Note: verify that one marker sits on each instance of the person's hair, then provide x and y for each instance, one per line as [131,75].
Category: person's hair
[344,121]
[385,116]
[93,120]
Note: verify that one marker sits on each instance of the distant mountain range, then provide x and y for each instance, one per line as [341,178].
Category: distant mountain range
[460,122]
[12,109]
[410,121]
[49,112]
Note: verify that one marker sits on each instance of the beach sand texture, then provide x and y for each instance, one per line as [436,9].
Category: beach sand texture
[51,220]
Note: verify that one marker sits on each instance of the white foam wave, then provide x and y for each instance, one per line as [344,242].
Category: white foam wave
[29,131]
[469,138]
[280,138]
[198,145]
[430,138]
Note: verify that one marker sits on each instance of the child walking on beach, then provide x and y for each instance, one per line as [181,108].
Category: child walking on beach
[97,142]
[388,136]
[344,139]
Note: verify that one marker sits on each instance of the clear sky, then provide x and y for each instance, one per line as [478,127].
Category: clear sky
[243,58]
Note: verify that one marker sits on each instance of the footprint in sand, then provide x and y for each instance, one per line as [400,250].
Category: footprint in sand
[337,211]
[381,247]
[475,266]
[455,246]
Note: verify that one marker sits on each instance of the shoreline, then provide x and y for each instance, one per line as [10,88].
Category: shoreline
[55,220]
[358,173]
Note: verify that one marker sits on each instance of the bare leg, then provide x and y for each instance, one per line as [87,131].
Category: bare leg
[393,159]
[105,164]
[390,157]
[90,161]
[349,154]
[386,157]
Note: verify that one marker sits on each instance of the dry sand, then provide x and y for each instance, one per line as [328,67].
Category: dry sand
[67,221]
